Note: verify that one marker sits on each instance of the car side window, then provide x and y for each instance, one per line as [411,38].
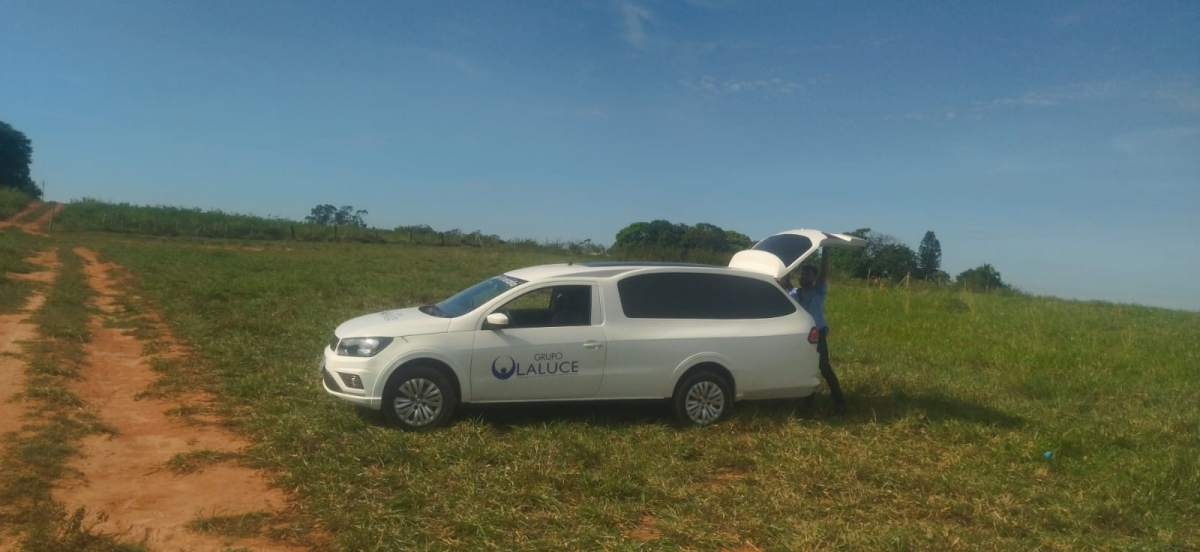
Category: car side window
[551,307]
[701,296]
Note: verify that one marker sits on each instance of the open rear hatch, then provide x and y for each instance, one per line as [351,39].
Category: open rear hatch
[780,254]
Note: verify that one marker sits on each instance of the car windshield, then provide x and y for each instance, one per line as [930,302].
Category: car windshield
[473,297]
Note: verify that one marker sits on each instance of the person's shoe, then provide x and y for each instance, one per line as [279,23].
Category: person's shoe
[839,408]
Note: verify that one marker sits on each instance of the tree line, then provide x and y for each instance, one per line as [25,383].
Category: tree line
[884,258]
[664,234]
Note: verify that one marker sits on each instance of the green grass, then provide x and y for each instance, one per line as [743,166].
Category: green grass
[238,526]
[35,460]
[218,227]
[11,202]
[954,399]
[15,247]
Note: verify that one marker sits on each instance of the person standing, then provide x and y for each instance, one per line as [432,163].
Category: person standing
[811,296]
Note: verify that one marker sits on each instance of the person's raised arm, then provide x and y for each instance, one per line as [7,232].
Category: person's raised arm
[823,272]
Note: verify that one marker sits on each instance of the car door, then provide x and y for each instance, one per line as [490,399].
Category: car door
[780,254]
[553,347]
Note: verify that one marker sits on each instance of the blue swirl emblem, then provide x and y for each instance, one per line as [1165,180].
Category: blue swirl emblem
[504,370]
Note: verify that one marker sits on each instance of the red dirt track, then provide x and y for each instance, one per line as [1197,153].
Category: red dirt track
[125,476]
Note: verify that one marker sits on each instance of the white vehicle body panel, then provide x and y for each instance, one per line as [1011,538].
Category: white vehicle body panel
[606,356]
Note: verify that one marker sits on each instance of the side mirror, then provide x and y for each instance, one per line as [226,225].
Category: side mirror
[495,321]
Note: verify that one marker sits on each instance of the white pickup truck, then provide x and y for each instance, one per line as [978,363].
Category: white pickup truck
[700,336]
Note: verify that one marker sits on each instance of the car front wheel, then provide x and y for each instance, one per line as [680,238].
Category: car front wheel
[418,399]
[702,398]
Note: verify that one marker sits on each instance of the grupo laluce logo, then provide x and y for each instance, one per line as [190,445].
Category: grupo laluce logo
[544,364]
[504,367]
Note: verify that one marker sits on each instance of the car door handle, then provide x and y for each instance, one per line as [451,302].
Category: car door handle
[592,344]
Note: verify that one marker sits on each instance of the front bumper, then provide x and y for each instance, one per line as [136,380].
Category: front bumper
[334,382]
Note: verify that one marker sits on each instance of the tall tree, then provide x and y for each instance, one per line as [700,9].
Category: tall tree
[16,154]
[929,255]
[322,214]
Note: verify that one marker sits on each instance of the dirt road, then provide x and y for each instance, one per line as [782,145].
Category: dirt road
[134,477]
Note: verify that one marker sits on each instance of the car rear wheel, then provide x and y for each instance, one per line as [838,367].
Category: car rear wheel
[418,399]
[702,398]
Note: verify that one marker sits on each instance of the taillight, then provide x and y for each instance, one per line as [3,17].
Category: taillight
[814,335]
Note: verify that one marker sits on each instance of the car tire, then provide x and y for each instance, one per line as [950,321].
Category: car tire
[418,399]
[702,398]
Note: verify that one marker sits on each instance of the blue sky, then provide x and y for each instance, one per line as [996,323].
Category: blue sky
[1058,141]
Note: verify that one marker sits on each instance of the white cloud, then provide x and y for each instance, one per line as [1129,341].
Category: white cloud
[634,21]
[1181,94]
[1159,144]
[709,85]
[1057,95]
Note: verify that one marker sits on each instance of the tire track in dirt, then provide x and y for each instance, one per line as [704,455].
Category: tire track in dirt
[126,476]
[41,224]
[14,329]
[36,226]
[29,208]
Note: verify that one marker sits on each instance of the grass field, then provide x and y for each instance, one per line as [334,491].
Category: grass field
[955,399]
[11,202]
[15,247]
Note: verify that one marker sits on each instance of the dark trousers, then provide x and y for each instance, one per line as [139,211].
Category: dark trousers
[831,380]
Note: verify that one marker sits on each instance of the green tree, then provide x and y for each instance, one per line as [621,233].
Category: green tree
[929,256]
[632,235]
[662,233]
[322,214]
[852,262]
[737,241]
[890,258]
[665,234]
[16,154]
[981,278]
[328,215]
[704,236]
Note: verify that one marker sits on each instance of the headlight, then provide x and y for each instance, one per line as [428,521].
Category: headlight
[362,346]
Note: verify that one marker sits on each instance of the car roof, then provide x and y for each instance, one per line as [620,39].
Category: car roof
[608,269]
